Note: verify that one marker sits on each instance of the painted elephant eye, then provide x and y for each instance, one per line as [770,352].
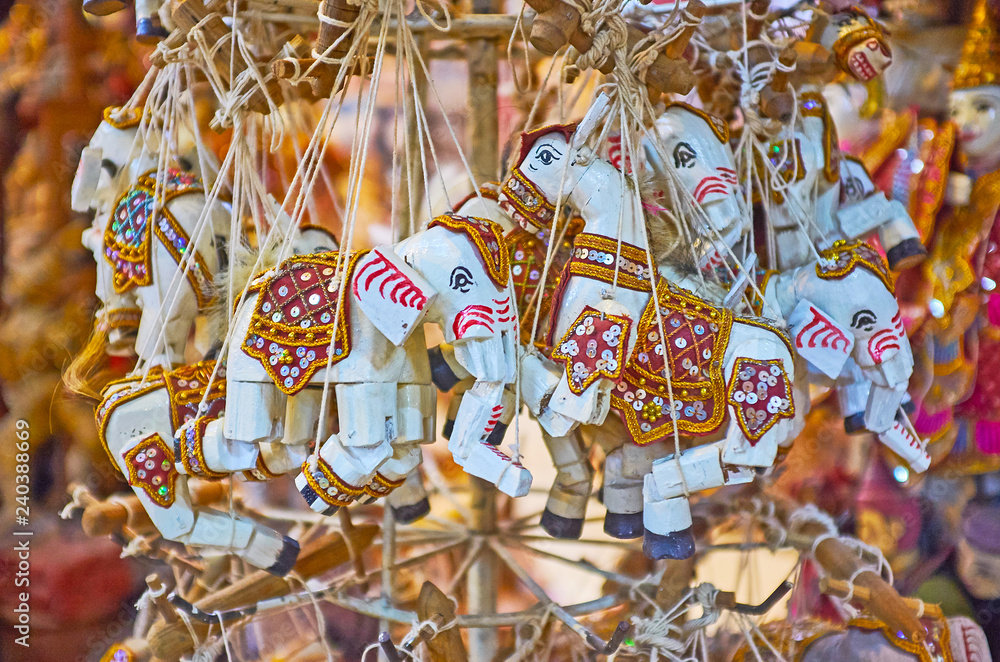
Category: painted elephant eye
[864,319]
[461,280]
[684,156]
[110,166]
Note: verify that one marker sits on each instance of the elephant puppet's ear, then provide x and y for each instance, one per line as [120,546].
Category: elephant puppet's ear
[391,294]
[88,175]
[819,339]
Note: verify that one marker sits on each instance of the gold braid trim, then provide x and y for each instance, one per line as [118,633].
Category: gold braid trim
[134,388]
[345,493]
[593,256]
[380,486]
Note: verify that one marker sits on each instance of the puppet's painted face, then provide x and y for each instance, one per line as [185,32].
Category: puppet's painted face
[859,46]
[976,112]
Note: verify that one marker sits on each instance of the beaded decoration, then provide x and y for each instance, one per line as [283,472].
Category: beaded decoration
[487,237]
[118,653]
[697,335]
[594,256]
[761,394]
[151,468]
[380,486]
[844,257]
[128,237]
[527,261]
[525,203]
[292,322]
[328,486]
[189,447]
[260,473]
[785,156]
[934,648]
[186,386]
[593,347]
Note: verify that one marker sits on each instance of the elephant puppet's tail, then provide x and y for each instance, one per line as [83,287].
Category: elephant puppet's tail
[87,373]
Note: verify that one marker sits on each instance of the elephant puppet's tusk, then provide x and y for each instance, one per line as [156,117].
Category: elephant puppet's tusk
[727,600]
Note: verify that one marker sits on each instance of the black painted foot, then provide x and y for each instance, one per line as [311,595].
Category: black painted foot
[411,513]
[907,253]
[496,437]
[908,406]
[449,427]
[624,526]
[676,545]
[441,373]
[855,423]
[286,559]
[564,528]
[313,499]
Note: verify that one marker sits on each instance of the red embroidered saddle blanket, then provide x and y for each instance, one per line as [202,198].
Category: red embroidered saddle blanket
[293,320]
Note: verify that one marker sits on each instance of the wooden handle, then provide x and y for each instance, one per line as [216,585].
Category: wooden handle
[170,641]
[163,606]
[776,100]
[885,603]
[675,49]
[103,7]
[842,589]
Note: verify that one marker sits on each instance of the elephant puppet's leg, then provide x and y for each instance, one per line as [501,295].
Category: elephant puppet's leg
[337,473]
[509,410]
[148,463]
[667,514]
[255,412]
[398,478]
[624,468]
[566,507]
[852,396]
[409,501]
[148,26]
[903,248]
[302,412]
[481,410]
[258,545]
[454,404]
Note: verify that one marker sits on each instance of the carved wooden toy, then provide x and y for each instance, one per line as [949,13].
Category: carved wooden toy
[607,353]
[139,241]
[137,421]
[873,407]
[292,339]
